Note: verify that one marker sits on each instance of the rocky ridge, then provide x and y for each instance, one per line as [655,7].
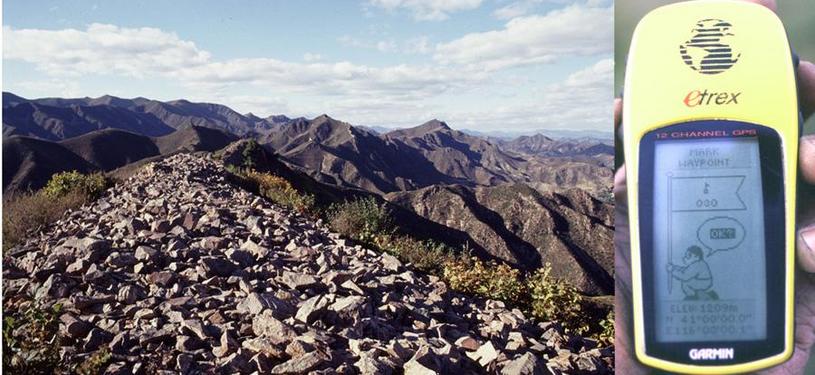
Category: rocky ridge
[177,265]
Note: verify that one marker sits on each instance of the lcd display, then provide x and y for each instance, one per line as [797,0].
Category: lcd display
[709,245]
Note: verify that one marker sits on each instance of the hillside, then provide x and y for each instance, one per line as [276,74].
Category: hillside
[527,228]
[542,145]
[176,269]
[28,162]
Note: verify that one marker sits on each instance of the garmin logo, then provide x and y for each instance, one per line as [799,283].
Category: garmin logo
[696,98]
[710,353]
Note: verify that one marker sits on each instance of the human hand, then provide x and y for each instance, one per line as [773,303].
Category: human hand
[805,276]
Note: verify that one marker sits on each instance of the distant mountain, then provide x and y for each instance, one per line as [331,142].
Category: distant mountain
[338,153]
[571,230]
[28,163]
[333,151]
[540,144]
[552,133]
[57,119]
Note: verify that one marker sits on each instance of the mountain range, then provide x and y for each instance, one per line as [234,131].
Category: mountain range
[526,201]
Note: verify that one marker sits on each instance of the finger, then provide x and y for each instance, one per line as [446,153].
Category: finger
[807,158]
[767,3]
[619,186]
[806,248]
[806,87]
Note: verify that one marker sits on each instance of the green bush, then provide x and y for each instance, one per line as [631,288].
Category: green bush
[63,183]
[553,299]
[486,279]
[606,336]
[361,219]
[248,154]
[31,340]
[95,363]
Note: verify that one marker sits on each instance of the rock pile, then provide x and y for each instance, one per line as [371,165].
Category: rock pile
[176,269]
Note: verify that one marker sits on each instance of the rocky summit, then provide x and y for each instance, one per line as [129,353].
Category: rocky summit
[176,270]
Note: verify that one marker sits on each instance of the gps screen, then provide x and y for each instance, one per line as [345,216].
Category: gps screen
[709,246]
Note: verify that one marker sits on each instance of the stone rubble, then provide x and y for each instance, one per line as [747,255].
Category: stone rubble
[177,263]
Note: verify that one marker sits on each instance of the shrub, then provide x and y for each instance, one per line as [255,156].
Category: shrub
[63,183]
[486,279]
[248,154]
[280,191]
[31,340]
[553,299]
[361,219]
[95,363]
[28,212]
[606,335]
[428,256]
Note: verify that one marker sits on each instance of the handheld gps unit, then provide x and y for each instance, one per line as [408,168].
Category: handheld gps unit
[711,128]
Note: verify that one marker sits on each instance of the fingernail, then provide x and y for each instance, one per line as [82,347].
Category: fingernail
[808,236]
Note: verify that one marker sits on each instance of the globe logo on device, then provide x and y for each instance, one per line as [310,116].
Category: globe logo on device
[709,50]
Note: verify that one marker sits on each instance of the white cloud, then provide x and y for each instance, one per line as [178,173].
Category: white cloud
[261,106]
[101,49]
[516,9]
[309,57]
[400,95]
[574,30]
[381,46]
[329,79]
[419,45]
[149,52]
[428,10]
[386,46]
[51,87]
[582,101]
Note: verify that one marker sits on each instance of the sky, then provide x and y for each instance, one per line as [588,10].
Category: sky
[487,65]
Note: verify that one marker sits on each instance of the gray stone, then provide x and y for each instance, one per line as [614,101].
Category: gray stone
[95,338]
[120,260]
[267,325]
[526,364]
[302,364]
[298,280]
[310,310]
[146,253]
[74,327]
[218,267]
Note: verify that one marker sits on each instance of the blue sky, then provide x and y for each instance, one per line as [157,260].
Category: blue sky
[477,64]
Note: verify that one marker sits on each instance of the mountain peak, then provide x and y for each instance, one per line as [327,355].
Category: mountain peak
[323,118]
[433,125]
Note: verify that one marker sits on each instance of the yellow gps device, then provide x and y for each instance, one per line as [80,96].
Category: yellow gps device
[710,130]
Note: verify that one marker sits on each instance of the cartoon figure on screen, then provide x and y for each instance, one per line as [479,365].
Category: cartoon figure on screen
[695,275]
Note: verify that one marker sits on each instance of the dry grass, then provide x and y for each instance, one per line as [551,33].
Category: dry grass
[27,213]
[280,191]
